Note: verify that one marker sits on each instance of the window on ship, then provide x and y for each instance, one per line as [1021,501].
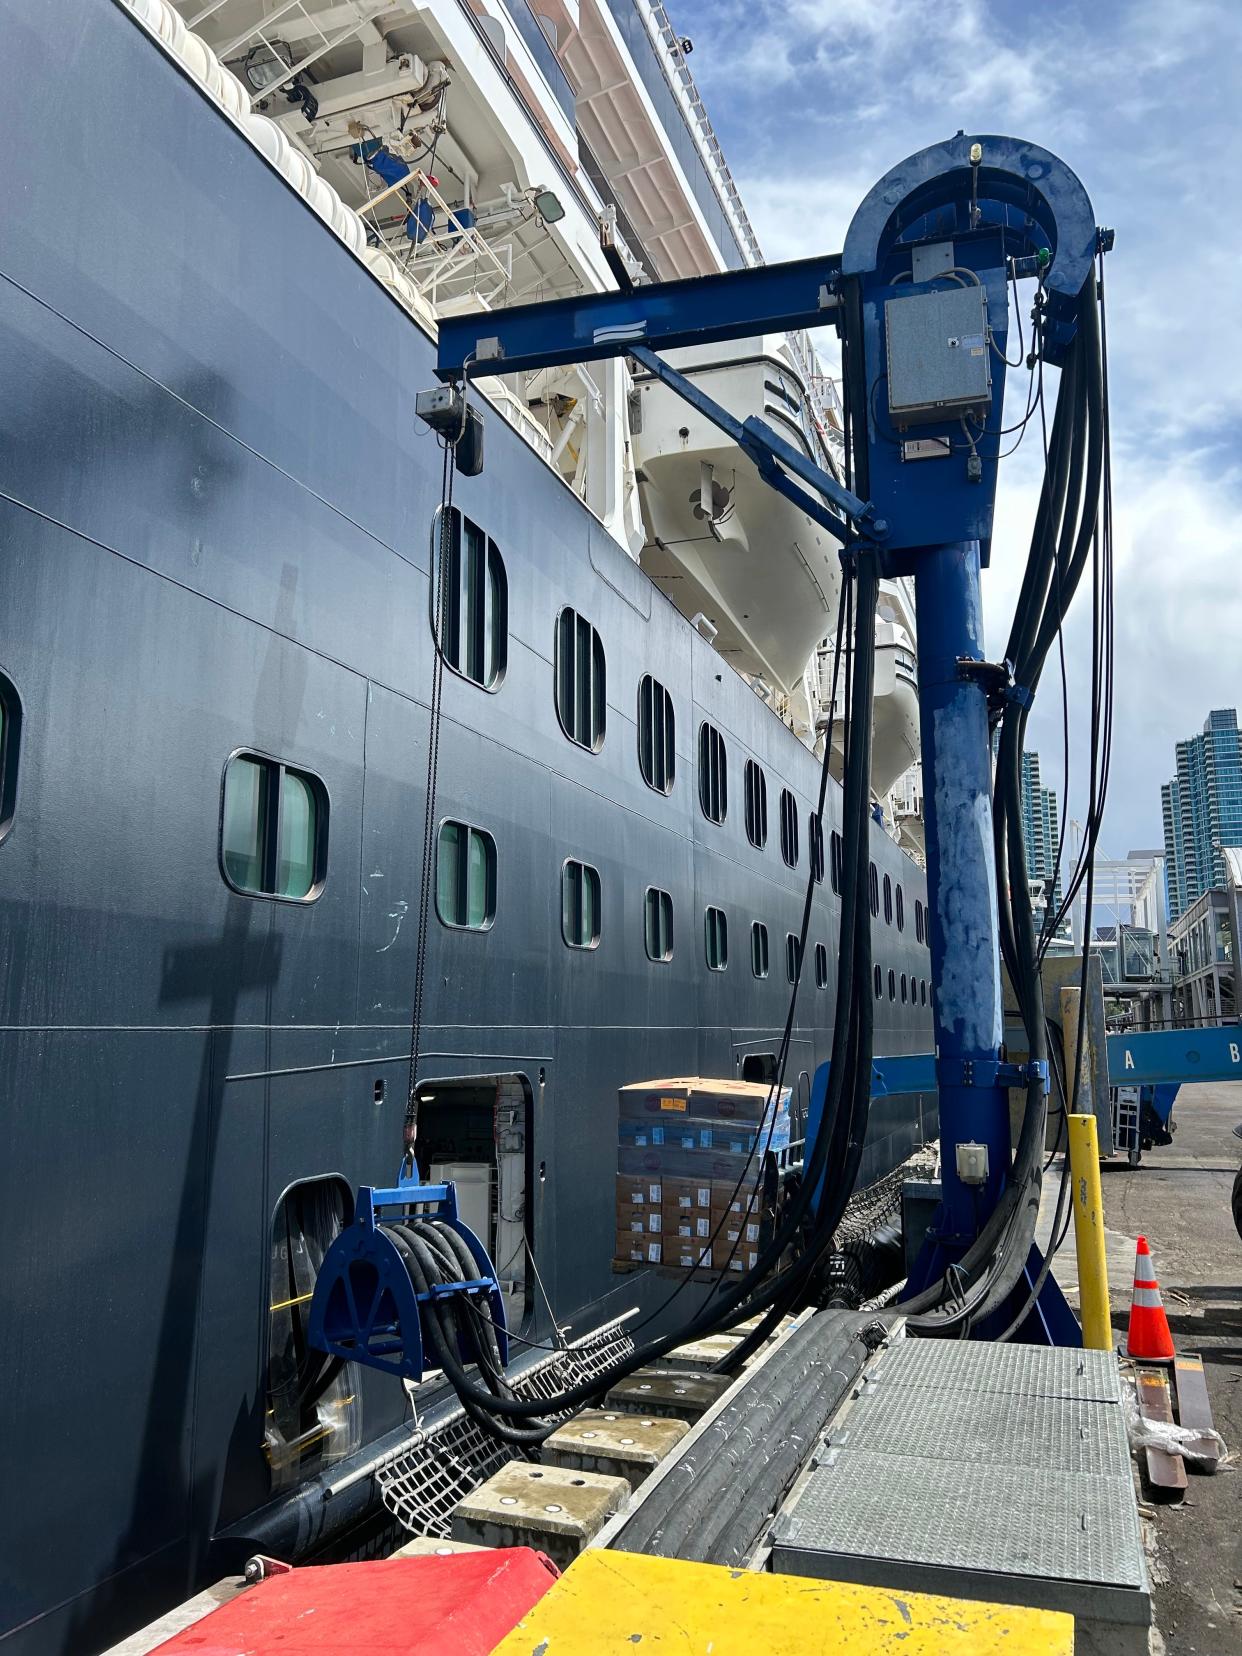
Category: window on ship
[716,935]
[658,924]
[793,955]
[657,734]
[273,829]
[580,904]
[758,953]
[789,828]
[581,687]
[10,741]
[465,876]
[470,605]
[713,774]
[815,836]
[759,1066]
[756,784]
[821,966]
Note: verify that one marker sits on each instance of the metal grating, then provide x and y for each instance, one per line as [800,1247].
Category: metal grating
[991,1428]
[1015,1521]
[423,1484]
[977,1366]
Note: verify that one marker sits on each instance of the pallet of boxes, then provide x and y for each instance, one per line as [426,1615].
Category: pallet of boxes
[691,1157]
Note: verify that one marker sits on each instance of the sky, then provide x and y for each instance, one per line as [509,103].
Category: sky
[813,100]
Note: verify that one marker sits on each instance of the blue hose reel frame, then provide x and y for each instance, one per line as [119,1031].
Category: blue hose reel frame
[365,1308]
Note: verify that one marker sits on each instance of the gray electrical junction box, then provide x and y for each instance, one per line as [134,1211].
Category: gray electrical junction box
[938,362]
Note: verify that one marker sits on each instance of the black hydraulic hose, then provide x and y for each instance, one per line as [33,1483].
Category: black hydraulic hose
[1063,534]
[439,1323]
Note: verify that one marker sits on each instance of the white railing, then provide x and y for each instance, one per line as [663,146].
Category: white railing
[681,83]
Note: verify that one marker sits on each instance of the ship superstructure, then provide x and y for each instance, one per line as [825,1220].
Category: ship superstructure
[216,670]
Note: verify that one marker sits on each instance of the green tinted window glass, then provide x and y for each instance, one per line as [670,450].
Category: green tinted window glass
[478,881]
[295,870]
[243,834]
[466,876]
[449,871]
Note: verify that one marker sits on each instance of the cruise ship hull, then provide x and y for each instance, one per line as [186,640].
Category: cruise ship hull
[217,509]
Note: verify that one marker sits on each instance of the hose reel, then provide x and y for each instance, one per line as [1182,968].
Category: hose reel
[405,1258]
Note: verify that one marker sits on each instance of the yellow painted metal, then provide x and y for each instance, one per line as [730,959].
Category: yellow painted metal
[616,1604]
[1084,1155]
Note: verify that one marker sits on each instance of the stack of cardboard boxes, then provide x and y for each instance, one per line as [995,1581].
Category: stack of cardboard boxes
[690,1170]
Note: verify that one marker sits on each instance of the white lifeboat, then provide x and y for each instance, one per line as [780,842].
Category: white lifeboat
[720,541]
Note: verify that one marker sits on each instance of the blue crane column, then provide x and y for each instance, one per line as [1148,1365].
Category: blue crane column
[961,883]
[926,268]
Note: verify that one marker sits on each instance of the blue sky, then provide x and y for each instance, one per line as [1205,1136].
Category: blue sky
[814,99]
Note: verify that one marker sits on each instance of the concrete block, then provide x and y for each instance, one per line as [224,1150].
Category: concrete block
[655,1391]
[435,1546]
[624,1445]
[551,1508]
[699,1354]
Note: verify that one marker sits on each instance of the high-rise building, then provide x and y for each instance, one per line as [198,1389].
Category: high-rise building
[1202,809]
[1041,829]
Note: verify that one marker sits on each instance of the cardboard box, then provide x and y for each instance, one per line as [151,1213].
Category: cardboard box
[746,1234]
[728,1197]
[640,1220]
[687,1196]
[638,1191]
[697,1226]
[720,1100]
[637,1248]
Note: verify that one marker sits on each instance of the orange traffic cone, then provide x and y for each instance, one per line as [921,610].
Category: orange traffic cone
[1149,1335]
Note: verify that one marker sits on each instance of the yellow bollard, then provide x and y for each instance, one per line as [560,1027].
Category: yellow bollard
[1084,1155]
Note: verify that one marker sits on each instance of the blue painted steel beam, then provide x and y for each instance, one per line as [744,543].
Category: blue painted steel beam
[663,316]
[1148,1057]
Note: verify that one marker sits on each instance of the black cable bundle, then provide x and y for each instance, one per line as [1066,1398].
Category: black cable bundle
[1065,531]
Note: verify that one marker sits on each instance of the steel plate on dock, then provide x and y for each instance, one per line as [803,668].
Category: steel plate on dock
[993,1472]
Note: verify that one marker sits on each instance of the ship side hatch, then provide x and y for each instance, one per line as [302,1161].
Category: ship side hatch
[475,1132]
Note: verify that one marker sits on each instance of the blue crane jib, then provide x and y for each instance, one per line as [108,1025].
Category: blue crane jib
[921,288]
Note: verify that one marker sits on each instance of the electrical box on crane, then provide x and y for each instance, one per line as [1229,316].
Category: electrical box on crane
[938,356]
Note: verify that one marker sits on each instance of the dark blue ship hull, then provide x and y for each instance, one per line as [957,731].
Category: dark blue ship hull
[215,512]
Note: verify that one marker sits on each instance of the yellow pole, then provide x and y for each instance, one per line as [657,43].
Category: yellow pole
[1084,1155]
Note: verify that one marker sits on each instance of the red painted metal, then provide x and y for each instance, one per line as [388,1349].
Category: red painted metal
[462,1602]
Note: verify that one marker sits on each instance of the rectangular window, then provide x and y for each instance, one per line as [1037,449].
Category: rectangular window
[657,734]
[10,740]
[580,905]
[821,966]
[470,599]
[581,691]
[756,784]
[759,950]
[466,876]
[273,829]
[658,924]
[815,835]
[789,828]
[793,955]
[716,928]
[837,856]
[713,774]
